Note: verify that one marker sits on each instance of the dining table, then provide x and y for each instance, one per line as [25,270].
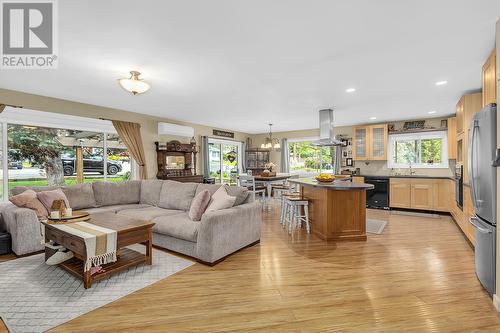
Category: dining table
[269,181]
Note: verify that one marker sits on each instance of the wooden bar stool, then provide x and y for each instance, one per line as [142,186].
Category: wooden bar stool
[293,213]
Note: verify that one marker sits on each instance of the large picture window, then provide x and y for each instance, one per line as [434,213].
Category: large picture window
[304,158]
[44,155]
[418,150]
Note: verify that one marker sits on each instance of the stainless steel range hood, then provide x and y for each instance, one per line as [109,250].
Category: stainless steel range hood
[326,136]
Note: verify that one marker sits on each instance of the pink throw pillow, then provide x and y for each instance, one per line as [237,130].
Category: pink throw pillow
[199,205]
[220,200]
[48,197]
[28,199]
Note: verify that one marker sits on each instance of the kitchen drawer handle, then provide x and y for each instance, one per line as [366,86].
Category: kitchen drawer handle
[473,221]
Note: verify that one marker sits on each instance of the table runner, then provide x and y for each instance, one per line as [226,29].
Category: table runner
[100,243]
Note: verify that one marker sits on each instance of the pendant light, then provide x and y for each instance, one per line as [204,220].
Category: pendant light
[270,142]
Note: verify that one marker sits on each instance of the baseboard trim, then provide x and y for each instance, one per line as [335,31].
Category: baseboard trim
[496,302]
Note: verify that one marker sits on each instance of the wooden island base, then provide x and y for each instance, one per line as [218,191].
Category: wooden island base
[337,214]
[337,210]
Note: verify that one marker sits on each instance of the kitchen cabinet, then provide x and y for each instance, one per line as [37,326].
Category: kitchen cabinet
[378,142]
[399,193]
[370,142]
[422,194]
[472,105]
[489,80]
[460,116]
[452,138]
[442,195]
[468,212]
[358,179]
[360,143]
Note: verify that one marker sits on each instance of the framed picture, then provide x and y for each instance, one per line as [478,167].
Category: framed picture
[444,123]
[349,161]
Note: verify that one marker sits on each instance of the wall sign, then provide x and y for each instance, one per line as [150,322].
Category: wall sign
[223,133]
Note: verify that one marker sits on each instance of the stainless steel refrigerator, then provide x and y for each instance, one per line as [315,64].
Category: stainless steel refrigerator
[483,186]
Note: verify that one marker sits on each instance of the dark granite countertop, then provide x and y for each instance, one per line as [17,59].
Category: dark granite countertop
[336,185]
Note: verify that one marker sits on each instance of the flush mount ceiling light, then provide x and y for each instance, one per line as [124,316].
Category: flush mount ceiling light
[350,90]
[270,142]
[134,84]
[441,83]
[432,112]
[373,118]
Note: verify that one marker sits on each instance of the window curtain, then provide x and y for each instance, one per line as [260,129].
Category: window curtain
[285,156]
[243,157]
[130,134]
[206,160]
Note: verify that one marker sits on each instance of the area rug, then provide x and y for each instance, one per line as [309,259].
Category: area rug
[375,226]
[35,297]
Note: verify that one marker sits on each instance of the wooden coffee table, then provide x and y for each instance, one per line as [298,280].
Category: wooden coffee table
[129,231]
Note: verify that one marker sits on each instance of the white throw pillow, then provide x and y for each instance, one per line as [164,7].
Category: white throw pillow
[220,200]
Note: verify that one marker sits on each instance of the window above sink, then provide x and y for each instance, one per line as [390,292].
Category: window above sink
[418,150]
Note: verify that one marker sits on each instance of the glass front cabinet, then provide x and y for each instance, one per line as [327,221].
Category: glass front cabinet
[370,142]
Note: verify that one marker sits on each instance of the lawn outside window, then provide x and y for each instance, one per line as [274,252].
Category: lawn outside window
[418,150]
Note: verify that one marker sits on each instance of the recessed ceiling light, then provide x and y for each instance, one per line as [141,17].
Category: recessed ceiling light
[432,112]
[441,83]
[350,90]
[373,118]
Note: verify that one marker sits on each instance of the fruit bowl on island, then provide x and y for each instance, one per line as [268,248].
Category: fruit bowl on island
[325,178]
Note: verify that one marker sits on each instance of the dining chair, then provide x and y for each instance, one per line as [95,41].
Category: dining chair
[249,182]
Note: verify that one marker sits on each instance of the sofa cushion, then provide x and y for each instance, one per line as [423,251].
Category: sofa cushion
[150,191]
[199,205]
[241,193]
[177,195]
[149,213]
[115,208]
[178,226]
[107,193]
[47,198]
[220,200]
[19,189]
[29,200]
[80,196]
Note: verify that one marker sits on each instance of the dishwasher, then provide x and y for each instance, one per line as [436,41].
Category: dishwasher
[379,196]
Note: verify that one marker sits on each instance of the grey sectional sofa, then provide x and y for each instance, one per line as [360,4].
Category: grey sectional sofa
[164,202]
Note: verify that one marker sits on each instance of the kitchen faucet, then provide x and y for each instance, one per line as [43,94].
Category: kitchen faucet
[412,172]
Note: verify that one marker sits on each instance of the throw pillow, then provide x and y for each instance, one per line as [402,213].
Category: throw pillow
[48,197]
[28,199]
[199,205]
[220,200]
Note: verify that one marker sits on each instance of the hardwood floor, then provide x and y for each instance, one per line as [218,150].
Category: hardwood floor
[418,276]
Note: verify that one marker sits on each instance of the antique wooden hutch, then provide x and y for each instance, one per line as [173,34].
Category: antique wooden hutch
[177,161]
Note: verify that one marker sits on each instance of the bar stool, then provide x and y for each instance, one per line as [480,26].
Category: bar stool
[293,213]
[284,205]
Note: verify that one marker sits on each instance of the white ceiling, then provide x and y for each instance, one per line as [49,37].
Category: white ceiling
[241,64]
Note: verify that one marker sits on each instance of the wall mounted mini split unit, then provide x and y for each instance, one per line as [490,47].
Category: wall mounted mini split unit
[173,129]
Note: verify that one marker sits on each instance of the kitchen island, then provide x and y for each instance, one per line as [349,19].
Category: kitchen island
[337,210]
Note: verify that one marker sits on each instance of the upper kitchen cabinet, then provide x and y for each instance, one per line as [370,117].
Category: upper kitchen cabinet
[378,142]
[460,115]
[472,104]
[360,143]
[489,80]
[370,142]
[452,138]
